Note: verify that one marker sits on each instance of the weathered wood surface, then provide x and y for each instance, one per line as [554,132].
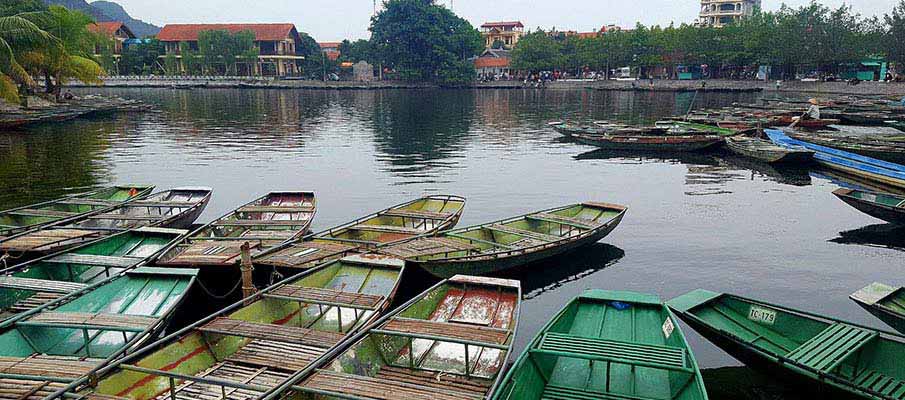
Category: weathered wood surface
[192,390]
[327,296]
[569,221]
[450,330]
[273,332]
[105,320]
[303,253]
[39,285]
[278,355]
[45,239]
[43,213]
[389,228]
[208,252]
[381,389]
[261,222]
[47,365]
[524,233]
[36,300]
[418,214]
[276,209]
[476,386]
[23,389]
[93,259]
[426,247]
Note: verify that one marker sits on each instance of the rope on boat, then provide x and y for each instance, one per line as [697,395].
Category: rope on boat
[276,276]
[9,256]
[219,297]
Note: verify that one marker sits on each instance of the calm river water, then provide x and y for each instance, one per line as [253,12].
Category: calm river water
[710,221]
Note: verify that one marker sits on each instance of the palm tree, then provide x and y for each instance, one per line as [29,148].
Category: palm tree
[18,35]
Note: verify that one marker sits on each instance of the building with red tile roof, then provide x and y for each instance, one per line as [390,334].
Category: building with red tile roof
[115,30]
[506,32]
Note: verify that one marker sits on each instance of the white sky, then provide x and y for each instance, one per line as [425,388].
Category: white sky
[334,20]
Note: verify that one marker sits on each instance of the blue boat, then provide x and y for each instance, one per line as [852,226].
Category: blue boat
[854,164]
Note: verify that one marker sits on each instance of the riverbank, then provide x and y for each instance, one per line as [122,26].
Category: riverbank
[40,110]
[715,85]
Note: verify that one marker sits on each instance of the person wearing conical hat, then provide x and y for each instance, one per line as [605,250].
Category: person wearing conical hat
[813,111]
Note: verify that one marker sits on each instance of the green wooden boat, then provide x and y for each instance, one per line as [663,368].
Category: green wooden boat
[423,216]
[254,345]
[885,302]
[509,243]
[21,219]
[176,208]
[689,128]
[48,278]
[886,206]
[450,342]
[827,356]
[606,345]
[263,223]
[43,350]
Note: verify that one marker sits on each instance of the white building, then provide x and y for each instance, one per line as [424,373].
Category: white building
[722,12]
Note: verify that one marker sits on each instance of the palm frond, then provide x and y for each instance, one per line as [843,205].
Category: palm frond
[8,90]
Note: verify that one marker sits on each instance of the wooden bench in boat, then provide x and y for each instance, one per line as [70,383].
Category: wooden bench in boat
[278,355]
[885,385]
[524,233]
[93,259]
[262,222]
[98,321]
[21,389]
[568,221]
[446,331]
[389,228]
[208,252]
[482,241]
[128,217]
[303,253]
[419,214]
[272,332]
[35,300]
[39,285]
[276,209]
[358,386]
[89,202]
[223,380]
[427,247]
[475,386]
[34,212]
[596,349]
[329,297]
[46,238]
[555,392]
[158,204]
[831,347]
[47,365]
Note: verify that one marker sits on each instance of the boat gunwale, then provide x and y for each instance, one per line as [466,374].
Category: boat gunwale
[845,194]
[523,250]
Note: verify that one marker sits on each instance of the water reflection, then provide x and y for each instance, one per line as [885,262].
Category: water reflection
[785,174]
[742,383]
[637,157]
[853,182]
[888,236]
[570,267]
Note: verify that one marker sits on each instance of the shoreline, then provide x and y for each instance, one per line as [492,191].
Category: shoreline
[715,85]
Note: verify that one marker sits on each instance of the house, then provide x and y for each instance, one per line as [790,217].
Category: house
[330,49]
[115,30]
[507,33]
[493,62]
[278,45]
[719,13]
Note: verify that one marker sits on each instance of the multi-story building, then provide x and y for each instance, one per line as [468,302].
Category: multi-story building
[278,45]
[719,13]
[507,33]
[114,30]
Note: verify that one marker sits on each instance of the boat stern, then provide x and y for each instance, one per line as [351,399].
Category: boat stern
[692,299]
[873,293]
[622,296]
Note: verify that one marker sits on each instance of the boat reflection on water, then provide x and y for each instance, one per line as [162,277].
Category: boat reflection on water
[649,156]
[559,271]
[785,174]
[852,182]
[888,236]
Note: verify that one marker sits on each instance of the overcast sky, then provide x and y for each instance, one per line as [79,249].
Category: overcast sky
[334,20]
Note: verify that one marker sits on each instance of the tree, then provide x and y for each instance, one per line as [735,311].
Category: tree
[17,36]
[536,51]
[141,58]
[424,41]
[220,50]
[895,46]
[71,56]
[14,7]
[355,51]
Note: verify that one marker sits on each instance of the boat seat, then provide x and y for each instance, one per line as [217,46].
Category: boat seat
[272,332]
[302,254]
[559,219]
[275,209]
[329,297]
[278,355]
[47,238]
[89,202]
[262,222]
[446,331]
[365,387]
[389,228]
[876,382]
[56,366]
[481,241]
[440,380]
[554,392]
[155,204]
[831,347]
[39,285]
[524,233]
[93,259]
[417,214]
[94,321]
[596,349]
[34,212]
[427,247]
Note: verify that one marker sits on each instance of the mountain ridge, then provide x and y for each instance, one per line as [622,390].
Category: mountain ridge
[104,11]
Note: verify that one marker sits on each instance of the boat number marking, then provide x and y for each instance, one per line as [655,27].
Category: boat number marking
[762,315]
[668,327]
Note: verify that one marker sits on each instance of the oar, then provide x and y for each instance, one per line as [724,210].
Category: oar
[691,105]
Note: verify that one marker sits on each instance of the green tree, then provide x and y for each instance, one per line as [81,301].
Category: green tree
[537,51]
[355,51]
[14,7]
[18,35]
[424,41]
[191,60]
[71,57]
[894,43]
[142,58]
[104,57]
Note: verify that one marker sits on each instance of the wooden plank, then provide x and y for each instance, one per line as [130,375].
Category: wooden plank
[275,209]
[119,322]
[42,285]
[89,202]
[35,212]
[36,300]
[313,295]
[451,330]
[304,253]
[47,365]
[262,222]
[325,381]
[129,217]
[428,246]
[208,253]
[94,259]
[389,228]
[24,389]
[46,238]
[277,355]
[273,332]
[524,233]
[417,214]
[476,386]
[568,221]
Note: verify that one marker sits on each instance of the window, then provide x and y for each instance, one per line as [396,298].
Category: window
[726,20]
[727,7]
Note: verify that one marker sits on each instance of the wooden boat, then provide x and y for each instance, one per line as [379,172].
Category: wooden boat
[450,342]
[32,284]
[21,219]
[254,345]
[264,223]
[685,127]
[512,242]
[885,206]
[885,302]
[766,151]
[176,208]
[43,350]
[879,149]
[606,345]
[850,163]
[423,216]
[650,143]
[900,125]
[831,357]
[788,119]
[607,128]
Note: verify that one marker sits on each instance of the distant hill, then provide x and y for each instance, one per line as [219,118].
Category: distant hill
[108,11]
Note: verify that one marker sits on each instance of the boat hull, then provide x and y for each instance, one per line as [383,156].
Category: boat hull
[895,321]
[497,262]
[650,143]
[894,215]
[778,156]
